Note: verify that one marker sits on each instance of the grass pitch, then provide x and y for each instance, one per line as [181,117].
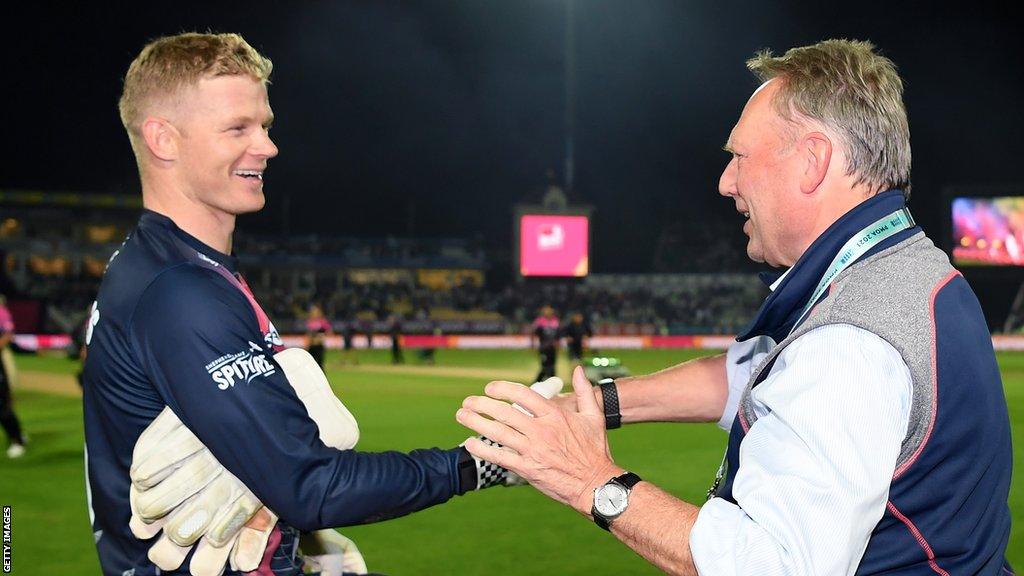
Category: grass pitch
[499,531]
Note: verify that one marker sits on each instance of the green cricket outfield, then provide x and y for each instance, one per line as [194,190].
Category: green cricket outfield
[499,531]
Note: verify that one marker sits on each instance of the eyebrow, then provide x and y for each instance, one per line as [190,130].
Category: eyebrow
[249,119]
[728,148]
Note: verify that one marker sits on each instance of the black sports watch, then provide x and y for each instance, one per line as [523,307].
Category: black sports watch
[612,498]
[610,396]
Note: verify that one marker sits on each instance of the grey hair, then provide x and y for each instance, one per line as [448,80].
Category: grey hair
[853,90]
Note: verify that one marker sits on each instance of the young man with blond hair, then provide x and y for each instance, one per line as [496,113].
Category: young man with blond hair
[175,326]
[868,426]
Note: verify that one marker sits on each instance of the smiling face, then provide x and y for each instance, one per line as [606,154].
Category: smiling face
[763,179]
[224,145]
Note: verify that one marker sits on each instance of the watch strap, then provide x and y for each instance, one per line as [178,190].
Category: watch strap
[610,397]
[628,480]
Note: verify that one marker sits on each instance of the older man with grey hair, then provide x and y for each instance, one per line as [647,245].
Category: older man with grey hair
[868,425]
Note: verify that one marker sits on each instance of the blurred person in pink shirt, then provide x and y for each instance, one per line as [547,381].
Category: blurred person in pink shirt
[317,330]
[8,419]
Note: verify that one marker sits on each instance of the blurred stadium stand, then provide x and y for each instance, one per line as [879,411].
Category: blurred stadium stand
[54,248]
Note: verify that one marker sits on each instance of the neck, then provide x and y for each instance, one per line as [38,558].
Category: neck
[211,227]
[832,205]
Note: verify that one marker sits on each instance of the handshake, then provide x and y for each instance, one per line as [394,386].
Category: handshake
[180,489]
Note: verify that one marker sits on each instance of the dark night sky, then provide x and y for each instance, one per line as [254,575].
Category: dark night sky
[452,111]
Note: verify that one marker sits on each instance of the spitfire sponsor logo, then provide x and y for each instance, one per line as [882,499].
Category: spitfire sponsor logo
[240,367]
[272,338]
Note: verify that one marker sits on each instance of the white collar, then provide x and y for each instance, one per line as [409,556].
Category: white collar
[779,280]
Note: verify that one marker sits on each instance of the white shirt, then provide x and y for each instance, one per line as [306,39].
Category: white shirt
[816,464]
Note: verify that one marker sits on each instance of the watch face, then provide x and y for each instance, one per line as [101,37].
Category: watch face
[610,500]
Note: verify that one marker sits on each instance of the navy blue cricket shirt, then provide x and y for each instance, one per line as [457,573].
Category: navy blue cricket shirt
[170,328]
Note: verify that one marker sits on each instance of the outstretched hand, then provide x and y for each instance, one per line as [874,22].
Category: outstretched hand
[561,452]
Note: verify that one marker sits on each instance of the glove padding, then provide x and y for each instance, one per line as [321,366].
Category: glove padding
[489,474]
[331,553]
[180,488]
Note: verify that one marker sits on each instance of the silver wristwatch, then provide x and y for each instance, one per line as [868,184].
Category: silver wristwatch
[612,498]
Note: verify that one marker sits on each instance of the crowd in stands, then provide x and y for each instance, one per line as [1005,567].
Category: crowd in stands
[360,252]
[429,284]
[677,304]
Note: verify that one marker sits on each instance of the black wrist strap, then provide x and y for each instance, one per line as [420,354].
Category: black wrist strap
[467,471]
[628,480]
[610,395]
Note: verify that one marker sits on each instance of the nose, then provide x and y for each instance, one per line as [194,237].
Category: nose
[263,146]
[727,181]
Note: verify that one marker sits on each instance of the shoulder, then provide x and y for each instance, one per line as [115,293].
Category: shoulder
[913,267]
[890,289]
[186,294]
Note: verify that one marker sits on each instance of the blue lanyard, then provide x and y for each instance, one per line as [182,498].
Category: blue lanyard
[856,247]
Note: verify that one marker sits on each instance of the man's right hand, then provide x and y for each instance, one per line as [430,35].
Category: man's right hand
[489,474]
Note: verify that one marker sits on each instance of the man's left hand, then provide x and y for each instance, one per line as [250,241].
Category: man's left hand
[563,454]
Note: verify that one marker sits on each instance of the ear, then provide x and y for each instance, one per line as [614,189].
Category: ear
[816,150]
[161,138]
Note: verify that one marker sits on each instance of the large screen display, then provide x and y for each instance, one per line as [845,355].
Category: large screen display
[988,231]
[551,245]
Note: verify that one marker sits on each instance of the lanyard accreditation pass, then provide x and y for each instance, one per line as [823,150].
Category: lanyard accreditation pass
[854,248]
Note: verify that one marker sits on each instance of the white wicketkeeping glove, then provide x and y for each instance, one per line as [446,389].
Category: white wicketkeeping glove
[489,474]
[180,488]
[331,553]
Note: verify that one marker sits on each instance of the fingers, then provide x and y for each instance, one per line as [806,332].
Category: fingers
[496,431]
[143,530]
[519,394]
[236,510]
[190,521]
[586,402]
[166,554]
[493,454]
[262,521]
[198,471]
[209,560]
[503,412]
[251,547]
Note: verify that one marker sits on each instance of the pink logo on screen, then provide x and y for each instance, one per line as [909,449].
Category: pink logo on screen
[551,238]
[553,245]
